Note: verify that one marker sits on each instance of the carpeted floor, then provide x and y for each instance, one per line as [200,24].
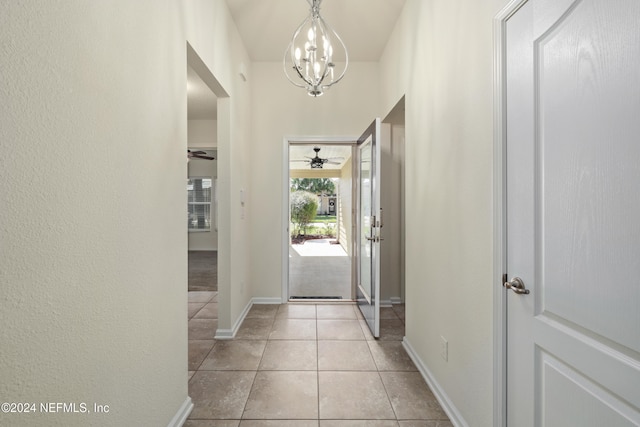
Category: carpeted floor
[203,270]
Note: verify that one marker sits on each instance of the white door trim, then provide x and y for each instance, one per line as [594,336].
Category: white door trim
[499,212]
[286,141]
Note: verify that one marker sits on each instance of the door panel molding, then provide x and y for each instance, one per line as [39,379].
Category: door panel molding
[573,221]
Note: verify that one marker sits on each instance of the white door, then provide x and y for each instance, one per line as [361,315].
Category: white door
[368,229]
[573,213]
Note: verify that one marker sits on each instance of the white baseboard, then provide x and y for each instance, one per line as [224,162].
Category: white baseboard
[266,300]
[390,302]
[228,334]
[447,405]
[396,300]
[181,416]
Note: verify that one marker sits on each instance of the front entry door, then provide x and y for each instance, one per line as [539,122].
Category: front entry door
[573,213]
[368,229]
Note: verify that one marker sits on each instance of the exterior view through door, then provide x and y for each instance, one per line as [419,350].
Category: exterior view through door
[338,255]
[573,213]
[320,228]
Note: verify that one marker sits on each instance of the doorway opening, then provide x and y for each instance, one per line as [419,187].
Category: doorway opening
[319,240]
[208,128]
[202,175]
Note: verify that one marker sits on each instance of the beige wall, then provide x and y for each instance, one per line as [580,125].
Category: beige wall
[391,192]
[92,207]
[440,56]
[279,110]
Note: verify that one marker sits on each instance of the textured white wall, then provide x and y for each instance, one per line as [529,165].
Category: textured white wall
[440,56]
[203,134]
[93,140]
[280,109]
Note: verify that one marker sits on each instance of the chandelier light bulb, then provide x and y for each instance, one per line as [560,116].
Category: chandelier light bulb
[314,70]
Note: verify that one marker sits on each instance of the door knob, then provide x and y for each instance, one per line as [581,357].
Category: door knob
[516,285]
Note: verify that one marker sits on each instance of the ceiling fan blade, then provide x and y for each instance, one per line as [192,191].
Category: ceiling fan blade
[202,157]
[291,161]
[330,162]
[335,158]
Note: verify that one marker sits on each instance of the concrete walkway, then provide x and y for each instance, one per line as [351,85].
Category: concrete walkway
[319,268]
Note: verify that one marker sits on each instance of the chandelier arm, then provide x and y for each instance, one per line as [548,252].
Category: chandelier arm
[344,47]
[286,73]
[289,48]
[309,82]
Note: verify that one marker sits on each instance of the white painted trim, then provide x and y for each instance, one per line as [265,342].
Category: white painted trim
[445,402]
[499,213]
[390,302]
[286,214]
[183,412]
[266,300]
[286,141]
[228,334]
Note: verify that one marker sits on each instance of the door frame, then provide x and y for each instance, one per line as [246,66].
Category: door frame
[286,141]
[499,212]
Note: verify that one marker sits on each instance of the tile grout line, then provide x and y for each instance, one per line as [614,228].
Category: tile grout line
[255,376]
[317,363]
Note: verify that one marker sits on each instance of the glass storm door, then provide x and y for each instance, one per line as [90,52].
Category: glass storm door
[369,223]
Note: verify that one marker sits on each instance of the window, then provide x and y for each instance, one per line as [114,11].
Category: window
[199,197]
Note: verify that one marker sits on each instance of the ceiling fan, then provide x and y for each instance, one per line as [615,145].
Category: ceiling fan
[317,162]
[198,155]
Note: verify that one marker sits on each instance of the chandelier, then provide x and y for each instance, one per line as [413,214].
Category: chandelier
[308,60]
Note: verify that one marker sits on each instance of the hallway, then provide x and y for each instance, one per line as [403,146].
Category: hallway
[304,365]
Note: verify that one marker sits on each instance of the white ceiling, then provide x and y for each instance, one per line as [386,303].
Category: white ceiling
[266,27]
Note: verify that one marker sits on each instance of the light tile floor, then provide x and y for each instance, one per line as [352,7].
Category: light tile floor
[299,365]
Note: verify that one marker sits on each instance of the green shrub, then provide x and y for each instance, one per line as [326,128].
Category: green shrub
[304,206]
